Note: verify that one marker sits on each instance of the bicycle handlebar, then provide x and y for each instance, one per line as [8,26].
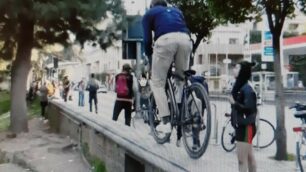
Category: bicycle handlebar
[298,106]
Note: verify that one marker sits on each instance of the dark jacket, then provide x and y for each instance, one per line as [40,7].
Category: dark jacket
[245,105]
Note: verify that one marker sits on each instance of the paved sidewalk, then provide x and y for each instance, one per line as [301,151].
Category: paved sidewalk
[215,158]
[39,151]
[8,167]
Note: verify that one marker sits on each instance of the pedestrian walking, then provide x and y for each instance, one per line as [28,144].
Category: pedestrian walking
[56,94]
[81,89]
[124,91]
[66,85]
[92,87]
[51,88]
[43,99]
[31,95]
[244,109]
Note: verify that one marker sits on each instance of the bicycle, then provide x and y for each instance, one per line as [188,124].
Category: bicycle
[261,139]
[145,96]
[192,116]
[301,131]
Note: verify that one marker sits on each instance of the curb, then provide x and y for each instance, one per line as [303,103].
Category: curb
[16,158]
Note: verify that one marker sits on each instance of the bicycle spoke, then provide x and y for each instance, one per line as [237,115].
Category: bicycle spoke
[228,137]
[196,121]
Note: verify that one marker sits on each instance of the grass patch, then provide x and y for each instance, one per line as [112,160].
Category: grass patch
[96,164]
[4,124]
[32,107]
[290,157]
[4,102]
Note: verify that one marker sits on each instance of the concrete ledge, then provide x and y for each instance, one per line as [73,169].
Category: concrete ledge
[115,144]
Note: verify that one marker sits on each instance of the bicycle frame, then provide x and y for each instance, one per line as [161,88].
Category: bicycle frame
[260,121]
[176,115]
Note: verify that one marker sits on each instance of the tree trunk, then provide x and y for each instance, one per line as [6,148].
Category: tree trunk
[20,70]
[281,136]
[195,46]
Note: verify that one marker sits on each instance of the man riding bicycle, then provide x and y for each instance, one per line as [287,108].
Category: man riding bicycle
[172,43]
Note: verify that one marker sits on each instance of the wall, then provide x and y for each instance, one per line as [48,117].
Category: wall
[121,151]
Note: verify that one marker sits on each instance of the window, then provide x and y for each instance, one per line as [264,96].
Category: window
[293,26]
[200,59]
[233,41]
[255,26]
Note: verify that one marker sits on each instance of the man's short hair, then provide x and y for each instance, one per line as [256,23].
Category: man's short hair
[92,75]
[158,2]
[126,67]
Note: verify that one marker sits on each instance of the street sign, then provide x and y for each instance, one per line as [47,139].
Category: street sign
[132,34]
[267,50]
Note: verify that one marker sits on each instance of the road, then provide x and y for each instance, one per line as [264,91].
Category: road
[215,158]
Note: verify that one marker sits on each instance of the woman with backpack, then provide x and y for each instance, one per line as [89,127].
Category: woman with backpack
[124,90]
[244,110]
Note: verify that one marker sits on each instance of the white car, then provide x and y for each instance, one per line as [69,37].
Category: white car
[102,89]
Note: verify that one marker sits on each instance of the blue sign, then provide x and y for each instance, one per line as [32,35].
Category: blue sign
[132,34]
[268,53]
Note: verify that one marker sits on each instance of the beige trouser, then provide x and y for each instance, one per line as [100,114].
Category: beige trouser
[168,48]
[246,158]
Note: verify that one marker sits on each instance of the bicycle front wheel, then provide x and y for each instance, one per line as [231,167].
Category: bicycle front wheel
[228,137]
[196,120]
[265,134]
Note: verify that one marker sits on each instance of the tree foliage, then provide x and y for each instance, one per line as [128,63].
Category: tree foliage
[198,18]
[28,24]
[55,20]
[276,12]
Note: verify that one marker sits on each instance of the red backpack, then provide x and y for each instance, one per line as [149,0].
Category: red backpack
[122,88]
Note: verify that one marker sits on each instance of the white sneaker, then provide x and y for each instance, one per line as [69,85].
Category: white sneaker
[165,128]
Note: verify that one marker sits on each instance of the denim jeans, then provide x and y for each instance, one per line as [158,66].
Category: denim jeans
[93,97]
[81,98]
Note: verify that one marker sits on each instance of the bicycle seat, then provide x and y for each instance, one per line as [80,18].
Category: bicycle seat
[189,72]
[300,114]
[300,107]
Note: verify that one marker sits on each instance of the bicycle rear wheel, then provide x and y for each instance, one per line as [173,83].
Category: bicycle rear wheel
[265,134]
[228,137]
[196,120]
[158,136]
[300,153]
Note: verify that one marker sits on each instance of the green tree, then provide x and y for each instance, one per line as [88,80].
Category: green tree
[276,12]
[28,24]
[198,18]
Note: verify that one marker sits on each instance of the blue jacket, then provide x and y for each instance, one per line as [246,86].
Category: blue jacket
[161,20]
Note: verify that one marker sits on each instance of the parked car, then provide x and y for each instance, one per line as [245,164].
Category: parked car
[102,89]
